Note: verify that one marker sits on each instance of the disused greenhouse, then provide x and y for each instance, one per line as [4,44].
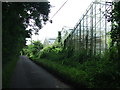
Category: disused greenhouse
[92,32]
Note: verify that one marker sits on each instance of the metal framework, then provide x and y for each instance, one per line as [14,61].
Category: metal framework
[91,32]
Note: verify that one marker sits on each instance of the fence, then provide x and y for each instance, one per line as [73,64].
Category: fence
[92,30]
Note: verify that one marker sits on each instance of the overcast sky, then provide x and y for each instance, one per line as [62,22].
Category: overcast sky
[68,16]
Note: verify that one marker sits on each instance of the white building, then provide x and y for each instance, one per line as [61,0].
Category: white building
[49,41]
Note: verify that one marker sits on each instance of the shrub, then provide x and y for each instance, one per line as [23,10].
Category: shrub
[51,52]
[33,49]
[101,70]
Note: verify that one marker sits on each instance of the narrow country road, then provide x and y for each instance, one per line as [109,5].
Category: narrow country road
[29,75]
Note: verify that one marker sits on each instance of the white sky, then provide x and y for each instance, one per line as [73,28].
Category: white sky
[68,16]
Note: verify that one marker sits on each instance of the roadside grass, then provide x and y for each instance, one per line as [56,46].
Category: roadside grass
[71,75]
[90,74]
[82,69]
[7,73]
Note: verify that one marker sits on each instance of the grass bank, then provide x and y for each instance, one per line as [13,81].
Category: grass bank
[73,76]
[91,74]
[7,73]
[81,68]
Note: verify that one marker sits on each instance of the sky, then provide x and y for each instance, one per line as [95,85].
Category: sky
[68,16]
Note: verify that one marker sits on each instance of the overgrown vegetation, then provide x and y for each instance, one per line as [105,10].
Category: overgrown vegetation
[33,49]
[8,72]
[99,71]
[115,32]
[81,69]
[16,18]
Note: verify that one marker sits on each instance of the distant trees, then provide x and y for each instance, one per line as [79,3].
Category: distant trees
[16,17]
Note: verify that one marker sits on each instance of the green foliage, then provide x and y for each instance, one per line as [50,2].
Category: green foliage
[115,31]
[33,49]
[16,18]
[7,73]
[89,71]
[70,74]
[14,33]
[51,52]
[98,71]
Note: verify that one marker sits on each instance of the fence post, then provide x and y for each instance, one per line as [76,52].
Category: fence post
[91,43]
[105,29]
[95,30]
[100,28]
[87,33]
[79,34]
[83,34]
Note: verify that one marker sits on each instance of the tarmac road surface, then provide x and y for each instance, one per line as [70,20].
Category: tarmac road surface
[29,75]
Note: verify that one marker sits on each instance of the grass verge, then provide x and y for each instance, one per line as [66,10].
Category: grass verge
[90,74]
[7,73]
[76,78]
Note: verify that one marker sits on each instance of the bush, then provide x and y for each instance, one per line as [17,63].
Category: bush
[33,49]
[90,70]
[51,52]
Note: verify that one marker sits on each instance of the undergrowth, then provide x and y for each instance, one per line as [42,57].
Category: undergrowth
[7,73]
[96,71]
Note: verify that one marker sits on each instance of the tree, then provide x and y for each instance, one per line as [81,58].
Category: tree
[115,31]
[16,17]
[33,49]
